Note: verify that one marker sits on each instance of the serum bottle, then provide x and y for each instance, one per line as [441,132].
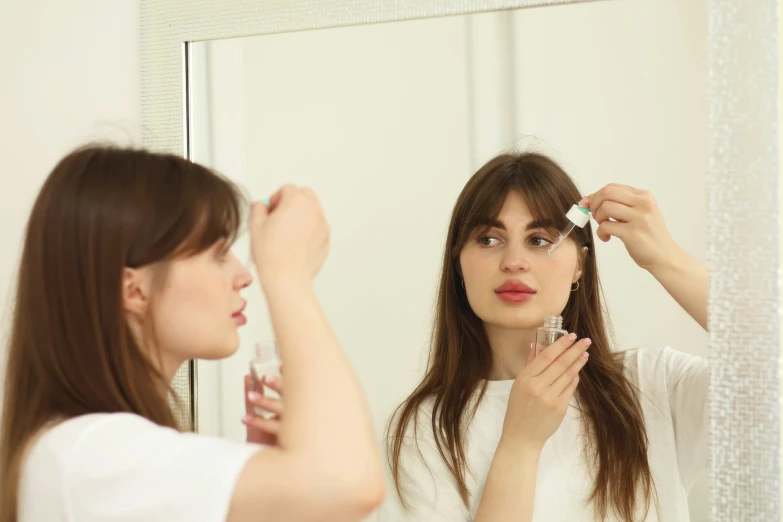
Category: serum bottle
[550,332]
[266,362]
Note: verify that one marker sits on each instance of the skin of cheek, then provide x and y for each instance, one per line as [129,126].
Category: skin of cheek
[194,320]
[555,276]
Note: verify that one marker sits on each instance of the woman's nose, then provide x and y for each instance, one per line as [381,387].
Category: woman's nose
[514,259]
[244,278]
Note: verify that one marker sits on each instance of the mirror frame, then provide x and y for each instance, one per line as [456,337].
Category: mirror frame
[743,190]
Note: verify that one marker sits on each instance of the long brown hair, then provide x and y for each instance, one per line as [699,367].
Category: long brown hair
[71,353]
[460,358]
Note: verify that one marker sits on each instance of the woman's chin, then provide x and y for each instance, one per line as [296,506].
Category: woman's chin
[229,348]
[218,355]
[517,323]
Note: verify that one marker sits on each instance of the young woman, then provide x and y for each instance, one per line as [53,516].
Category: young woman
[126,274]
[493,433]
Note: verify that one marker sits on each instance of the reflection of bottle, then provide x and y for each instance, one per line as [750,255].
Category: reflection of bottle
[550,332]
[266,362]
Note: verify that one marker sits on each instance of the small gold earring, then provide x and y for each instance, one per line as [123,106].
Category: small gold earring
[577,287]
[463,283]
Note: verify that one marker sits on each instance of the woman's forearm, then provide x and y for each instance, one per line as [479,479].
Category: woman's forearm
[510,489]
[687,281]
[320,387]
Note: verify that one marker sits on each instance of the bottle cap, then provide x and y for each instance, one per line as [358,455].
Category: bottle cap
[579,216]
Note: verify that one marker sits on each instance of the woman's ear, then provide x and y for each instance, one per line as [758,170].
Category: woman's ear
[135,291]
[580,263]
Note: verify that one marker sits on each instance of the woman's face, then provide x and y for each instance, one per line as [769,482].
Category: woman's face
[197,313]
[511,281]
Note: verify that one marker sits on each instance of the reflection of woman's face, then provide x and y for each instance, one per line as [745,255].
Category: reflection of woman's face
[510,279]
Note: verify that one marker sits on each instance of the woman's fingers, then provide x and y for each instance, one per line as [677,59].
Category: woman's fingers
[563,362]
[629,188]
[569,390]
[270,426]
[607,229]
[562,382]
[613,210]
[622,194]
[274,382]
[249,387]
[268,404]
[548,356]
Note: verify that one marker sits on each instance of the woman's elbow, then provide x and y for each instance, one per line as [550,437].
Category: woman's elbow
[363,493]
[345,493]
[371,494]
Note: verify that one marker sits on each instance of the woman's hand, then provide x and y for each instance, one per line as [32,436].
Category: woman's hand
[290,238]
[259,429]
[633,216]
[541,393]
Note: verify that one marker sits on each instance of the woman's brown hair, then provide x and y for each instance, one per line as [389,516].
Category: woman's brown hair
[71,352]
[460,358]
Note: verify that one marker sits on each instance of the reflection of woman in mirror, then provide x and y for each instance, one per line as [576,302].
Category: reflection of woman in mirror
[493,433]
[126,274]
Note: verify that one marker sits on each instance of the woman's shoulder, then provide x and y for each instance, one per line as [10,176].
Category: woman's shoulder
[108,446]
[61,439]
[660,370]
[50,456]
[640,362]
[127,456]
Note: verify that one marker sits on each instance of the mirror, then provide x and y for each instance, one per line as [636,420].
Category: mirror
[387,122]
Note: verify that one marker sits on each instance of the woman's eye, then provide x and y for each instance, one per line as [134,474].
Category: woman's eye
[488,241]
[540,241]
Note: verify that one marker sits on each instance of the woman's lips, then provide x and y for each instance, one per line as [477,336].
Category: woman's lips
[238,317]
[514,286]
[515,297]
[513,291]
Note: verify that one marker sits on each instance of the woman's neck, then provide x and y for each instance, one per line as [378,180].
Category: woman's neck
[510,350]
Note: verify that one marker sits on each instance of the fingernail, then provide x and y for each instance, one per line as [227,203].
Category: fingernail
[253,395]
[572,336]
[583,202]
[270,379]
[246,419]
[587,341]
[586,355]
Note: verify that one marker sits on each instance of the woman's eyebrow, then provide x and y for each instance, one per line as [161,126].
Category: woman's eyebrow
[536,224]
[545,224]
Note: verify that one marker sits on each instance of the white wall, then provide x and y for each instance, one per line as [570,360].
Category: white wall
[617,92]
[627,113]
[69,72]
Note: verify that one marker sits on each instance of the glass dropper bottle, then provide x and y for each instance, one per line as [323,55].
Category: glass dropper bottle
[577,217]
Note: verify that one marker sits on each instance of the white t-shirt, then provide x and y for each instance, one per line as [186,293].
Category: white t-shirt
[124,468]
[673,397]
